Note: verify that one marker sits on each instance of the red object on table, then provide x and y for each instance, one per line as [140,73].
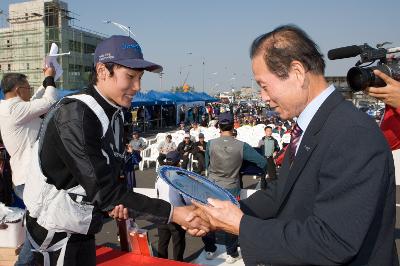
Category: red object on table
[110,257]
[140,244]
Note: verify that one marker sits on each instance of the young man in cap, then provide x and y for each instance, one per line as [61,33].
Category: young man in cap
[224,157]
[78,159]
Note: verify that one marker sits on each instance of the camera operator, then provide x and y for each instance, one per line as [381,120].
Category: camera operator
[390,124]
[390,94]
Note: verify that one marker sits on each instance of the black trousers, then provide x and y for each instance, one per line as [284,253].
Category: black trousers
[165,233]
[185,161]
[201,165]
[231,243]
[161,158]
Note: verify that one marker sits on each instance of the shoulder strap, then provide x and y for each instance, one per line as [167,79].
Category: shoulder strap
[96,108]
[89,101]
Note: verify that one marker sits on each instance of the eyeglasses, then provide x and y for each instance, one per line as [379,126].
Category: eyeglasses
[26,87]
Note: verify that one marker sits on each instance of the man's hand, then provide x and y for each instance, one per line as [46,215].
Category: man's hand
[119,213]
[390,94]
[222,215]
[191,220]
[49,71]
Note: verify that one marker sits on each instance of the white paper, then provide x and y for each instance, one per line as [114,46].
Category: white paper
[51,60]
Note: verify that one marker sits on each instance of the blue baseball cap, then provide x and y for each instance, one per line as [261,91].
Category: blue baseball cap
[225,118]
[125,51]
[173,157]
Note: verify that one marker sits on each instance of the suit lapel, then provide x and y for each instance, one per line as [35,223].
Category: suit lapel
[309,142]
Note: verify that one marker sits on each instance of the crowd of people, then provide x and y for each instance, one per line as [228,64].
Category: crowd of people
[331,202]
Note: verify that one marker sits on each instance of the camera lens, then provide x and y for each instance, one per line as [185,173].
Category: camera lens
[359,78]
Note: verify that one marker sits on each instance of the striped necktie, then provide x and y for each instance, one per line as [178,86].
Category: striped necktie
[294,141]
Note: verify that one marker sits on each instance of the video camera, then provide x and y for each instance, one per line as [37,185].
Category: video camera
[361,77]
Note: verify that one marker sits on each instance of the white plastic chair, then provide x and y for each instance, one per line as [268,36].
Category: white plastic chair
[192,161]
[152,141]
[150,154]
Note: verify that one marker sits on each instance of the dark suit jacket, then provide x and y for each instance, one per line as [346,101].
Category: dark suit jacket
[335,205]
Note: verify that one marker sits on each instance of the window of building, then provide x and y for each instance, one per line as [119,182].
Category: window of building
[26,16]
[8,43]
[27,66]
[88,48]
[51,15]
[75,46]
[9,67]
[0,66]
[27,40]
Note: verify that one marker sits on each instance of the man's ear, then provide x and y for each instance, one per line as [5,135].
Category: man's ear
[101,71]
[298,71]
[17,91]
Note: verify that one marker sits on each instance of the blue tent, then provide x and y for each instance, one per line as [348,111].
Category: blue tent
[207,97]
[159,98]
[1,94]
[141,99]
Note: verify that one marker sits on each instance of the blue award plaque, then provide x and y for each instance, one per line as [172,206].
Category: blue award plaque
[193,185]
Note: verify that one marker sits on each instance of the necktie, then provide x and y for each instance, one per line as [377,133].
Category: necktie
[294,141]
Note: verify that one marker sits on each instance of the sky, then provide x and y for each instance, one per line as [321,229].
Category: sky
[182,34]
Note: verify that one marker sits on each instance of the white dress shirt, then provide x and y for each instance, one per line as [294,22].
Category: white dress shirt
[19,126]
[308,113]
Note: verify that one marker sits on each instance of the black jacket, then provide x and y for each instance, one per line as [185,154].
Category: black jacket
[72,154]
[334,205]
[183,147]
[196,147]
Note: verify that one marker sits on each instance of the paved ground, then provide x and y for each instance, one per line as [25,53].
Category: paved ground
[194,246]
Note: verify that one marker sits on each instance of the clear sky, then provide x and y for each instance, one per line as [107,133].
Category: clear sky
[178,34]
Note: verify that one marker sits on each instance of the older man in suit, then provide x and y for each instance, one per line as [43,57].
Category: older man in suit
[334,203]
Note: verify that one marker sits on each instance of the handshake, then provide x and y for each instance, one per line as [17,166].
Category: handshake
[199,219]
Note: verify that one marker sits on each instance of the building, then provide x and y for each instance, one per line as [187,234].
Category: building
[29,30]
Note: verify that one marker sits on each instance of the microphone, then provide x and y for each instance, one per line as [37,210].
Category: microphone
[344,52]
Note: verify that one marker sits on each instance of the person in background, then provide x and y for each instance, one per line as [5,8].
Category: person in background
[6,195]
[390,95]
[278,129]
[20,120]
[204,121]
[137,145]
[130,160]
[195,131]
[224,157]
[390,121]
[171,230]
[164,147]
[185,148]
[199,153]
[269,147]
